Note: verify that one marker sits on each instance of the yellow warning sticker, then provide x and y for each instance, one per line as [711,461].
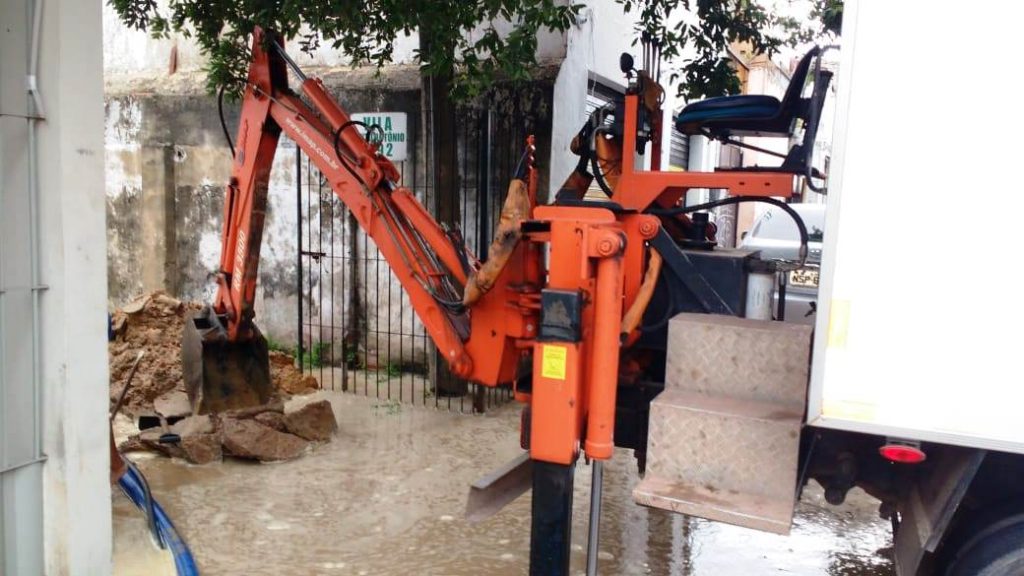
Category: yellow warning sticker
[552,362]
[838,323]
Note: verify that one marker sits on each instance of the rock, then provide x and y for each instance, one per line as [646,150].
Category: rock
[173,404]
[132,444]
[167,302]
[314,421]
[200,443]
[137,305]
[150,438]
[250,439]
[307,385]
[275,405]
[273,420]
[118,322]
[193,425]
[202,448]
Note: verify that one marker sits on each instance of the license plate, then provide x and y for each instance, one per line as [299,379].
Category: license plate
[805,277]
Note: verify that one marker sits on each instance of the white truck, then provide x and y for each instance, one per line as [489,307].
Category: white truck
[918,335]
[915,388]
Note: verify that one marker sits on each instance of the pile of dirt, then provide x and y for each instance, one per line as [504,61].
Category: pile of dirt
[289,379]
[152,324]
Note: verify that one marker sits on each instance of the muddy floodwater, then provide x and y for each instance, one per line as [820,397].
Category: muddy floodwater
[387,496]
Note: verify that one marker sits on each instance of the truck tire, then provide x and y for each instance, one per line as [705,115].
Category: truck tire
[997,551]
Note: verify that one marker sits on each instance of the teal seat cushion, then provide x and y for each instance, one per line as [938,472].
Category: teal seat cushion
[726,108]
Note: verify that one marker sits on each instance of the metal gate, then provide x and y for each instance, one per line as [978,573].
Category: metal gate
[358,332]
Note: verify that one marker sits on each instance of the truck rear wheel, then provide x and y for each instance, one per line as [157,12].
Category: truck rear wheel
[995,551]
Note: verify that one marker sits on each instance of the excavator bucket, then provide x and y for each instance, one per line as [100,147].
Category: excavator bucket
[222,375]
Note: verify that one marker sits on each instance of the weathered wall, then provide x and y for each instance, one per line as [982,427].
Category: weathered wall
[167,163]
[166,167]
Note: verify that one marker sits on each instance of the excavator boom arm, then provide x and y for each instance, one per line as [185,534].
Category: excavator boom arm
[421,254]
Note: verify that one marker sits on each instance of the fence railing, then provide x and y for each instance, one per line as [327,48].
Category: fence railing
[358,331]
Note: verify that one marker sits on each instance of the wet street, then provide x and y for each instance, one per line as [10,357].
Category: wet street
[387,497]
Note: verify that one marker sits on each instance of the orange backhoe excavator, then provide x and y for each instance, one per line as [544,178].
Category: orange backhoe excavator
[574,288]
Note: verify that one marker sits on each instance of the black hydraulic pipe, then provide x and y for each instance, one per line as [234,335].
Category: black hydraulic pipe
[780,313]
[594,534]
[298,251]
[483,182]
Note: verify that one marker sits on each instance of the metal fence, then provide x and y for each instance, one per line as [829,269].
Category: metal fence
[358,331]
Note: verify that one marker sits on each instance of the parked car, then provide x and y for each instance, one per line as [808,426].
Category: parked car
[777,237]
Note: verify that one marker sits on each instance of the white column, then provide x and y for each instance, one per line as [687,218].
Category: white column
[76,486]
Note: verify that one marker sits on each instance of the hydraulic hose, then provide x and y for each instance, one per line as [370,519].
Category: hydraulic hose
[133,486]
[595,163]
[741,199]
[223,122]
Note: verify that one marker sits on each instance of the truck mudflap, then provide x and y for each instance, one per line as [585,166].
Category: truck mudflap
[928,507]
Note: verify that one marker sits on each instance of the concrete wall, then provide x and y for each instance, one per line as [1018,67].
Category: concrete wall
[166,167]
[167,164]
[592,51]
[71,478]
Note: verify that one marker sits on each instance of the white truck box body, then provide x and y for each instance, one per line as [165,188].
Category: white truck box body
[919,330]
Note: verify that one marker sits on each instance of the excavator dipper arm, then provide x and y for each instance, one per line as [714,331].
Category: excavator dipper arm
[431,269]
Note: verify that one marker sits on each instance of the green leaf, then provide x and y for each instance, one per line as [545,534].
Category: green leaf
[366,32]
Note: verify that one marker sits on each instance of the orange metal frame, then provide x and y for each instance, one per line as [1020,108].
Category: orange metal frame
[604,256]
[637,189]
[600,254]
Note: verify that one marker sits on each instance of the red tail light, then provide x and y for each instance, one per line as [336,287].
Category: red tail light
[902,453]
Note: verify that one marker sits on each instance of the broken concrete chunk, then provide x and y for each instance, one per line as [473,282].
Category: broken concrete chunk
[197,441]
[273,420]
[250,439]
[173,404]
[202,448]
[193,425]
[166,301]
[314,421]
[132,444]
[151,439]
[136,305]
[275,405]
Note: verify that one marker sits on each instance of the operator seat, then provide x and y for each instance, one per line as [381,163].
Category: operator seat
[727,117]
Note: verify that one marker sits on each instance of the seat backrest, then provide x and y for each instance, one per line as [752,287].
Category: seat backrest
[812,118]
[791,100]
[794,106]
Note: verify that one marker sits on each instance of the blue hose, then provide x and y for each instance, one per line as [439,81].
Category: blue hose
[134,486]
